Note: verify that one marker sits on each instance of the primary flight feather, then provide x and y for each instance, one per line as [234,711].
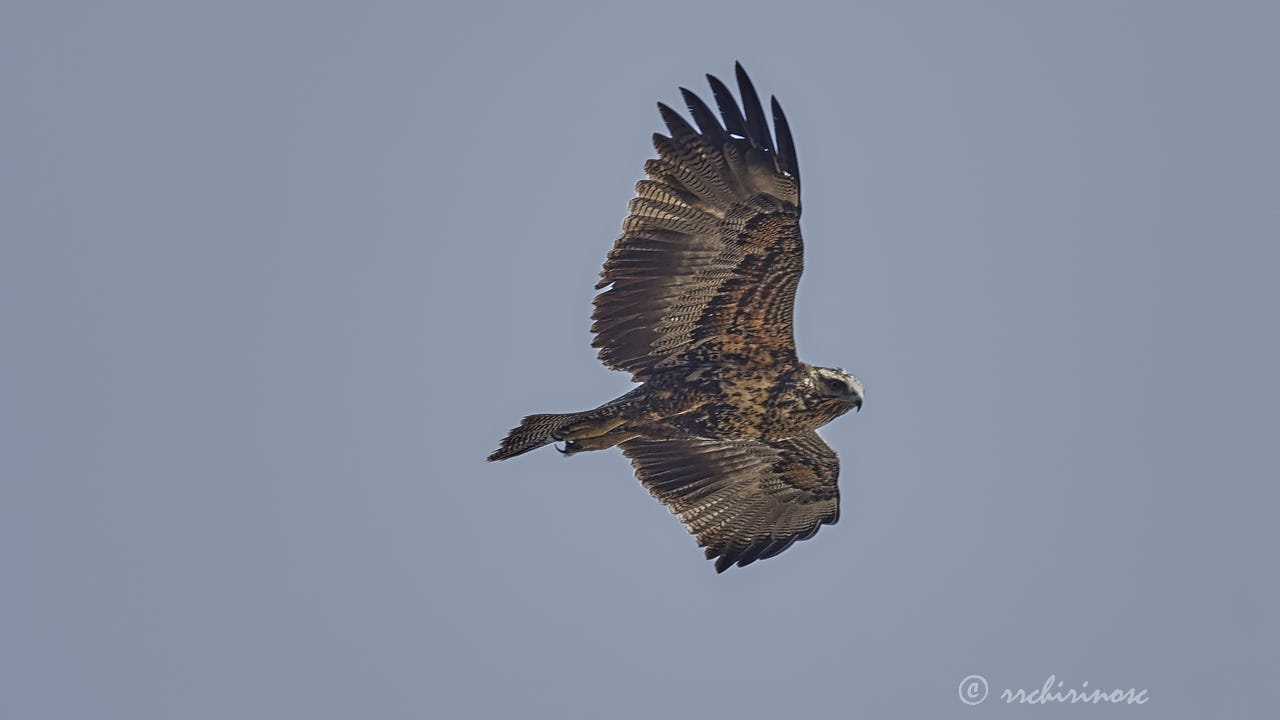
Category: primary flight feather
[696,303]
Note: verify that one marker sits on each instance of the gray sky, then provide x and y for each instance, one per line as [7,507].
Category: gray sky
[275,278]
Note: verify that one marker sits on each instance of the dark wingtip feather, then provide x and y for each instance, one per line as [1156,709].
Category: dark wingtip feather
[752,553]
[787,159]
[720,555]
[702,115]
[676,124]
[776,547]
[757,127]
[733,121]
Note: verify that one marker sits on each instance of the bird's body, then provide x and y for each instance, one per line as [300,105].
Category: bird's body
[751,401]
[697,304]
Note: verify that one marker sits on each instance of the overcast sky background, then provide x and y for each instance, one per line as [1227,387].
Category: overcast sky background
[276,277]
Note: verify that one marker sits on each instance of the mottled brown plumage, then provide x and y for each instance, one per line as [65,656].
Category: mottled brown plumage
[697,303]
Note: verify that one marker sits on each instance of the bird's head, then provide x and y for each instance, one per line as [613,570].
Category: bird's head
[839,387]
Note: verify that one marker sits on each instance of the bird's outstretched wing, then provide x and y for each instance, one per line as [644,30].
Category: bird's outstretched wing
[744,500]
[710,254]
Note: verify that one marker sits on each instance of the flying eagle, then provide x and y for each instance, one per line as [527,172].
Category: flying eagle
[696,303]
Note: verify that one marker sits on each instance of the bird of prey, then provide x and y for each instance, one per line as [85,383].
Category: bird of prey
[696,303]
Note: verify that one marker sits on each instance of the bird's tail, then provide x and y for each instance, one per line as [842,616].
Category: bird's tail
[536,431]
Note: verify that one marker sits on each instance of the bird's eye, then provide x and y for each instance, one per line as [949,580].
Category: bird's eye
[837,386]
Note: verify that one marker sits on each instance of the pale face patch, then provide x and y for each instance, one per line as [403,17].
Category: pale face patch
[838,383]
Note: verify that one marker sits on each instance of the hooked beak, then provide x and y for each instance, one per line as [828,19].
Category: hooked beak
[857,404]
